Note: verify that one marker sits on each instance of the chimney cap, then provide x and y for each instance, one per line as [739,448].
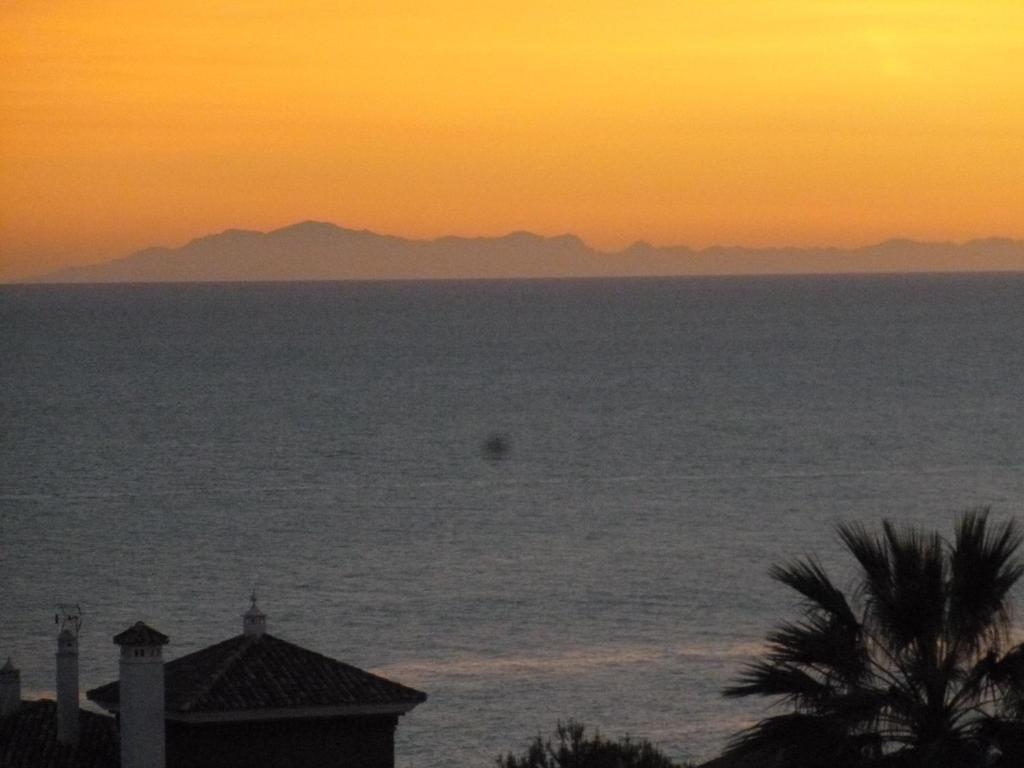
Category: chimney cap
[254,610]
[141,634]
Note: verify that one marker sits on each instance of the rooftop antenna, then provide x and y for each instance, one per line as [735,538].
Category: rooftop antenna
[254,621]
[69,616]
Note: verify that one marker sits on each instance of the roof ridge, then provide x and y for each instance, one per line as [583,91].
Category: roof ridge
[345,664]
[247,642]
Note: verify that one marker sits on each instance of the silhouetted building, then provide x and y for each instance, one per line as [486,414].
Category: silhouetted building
[28,739]
[253,700]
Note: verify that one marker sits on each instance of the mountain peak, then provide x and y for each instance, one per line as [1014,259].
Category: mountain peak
[569,240]
[308,226]
[520,236]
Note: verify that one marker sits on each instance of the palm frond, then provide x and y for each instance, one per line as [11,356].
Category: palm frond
[876,583]
[917,599]
[1007,675]
[764,678]
[835,650]
[808,578]
[984,568]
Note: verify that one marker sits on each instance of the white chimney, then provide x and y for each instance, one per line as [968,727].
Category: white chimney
[67,687]
[254,621]
[141,699]
[10,689]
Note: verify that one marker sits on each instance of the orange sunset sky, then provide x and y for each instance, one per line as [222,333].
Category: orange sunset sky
[128,123]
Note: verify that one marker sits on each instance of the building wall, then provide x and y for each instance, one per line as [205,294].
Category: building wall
[349,742]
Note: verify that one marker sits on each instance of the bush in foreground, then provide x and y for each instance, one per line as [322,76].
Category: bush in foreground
[573,749]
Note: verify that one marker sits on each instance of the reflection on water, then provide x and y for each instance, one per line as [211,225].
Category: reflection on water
[576,661]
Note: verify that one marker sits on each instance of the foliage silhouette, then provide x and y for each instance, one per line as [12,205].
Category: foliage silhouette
[574,750]
[915,669]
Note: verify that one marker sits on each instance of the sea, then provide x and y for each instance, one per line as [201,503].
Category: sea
[537,501]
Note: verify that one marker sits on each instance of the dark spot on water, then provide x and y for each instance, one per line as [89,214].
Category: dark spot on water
[496,447]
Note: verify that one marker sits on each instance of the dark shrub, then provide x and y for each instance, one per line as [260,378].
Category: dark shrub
[573,749]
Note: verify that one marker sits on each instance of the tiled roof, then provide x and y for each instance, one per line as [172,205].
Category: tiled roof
[140,634]
[28,739]
[265,672]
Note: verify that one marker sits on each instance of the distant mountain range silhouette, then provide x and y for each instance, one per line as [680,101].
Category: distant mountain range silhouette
[313,250]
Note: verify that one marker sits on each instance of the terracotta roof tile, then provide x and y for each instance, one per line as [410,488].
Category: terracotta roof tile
[28,739]
[265,672]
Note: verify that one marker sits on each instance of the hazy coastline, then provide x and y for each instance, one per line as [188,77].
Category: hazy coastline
[323,251]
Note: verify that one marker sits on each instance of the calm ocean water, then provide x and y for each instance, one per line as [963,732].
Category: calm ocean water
[165,447]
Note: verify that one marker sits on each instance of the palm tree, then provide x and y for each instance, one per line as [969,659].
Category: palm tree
[915,669]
